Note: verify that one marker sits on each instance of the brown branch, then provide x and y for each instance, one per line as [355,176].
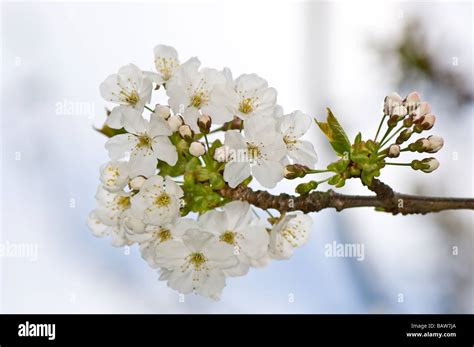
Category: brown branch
[385,200]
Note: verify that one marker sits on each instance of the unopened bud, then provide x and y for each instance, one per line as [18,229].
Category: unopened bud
[204,123]
[162,111]
[392,121]
[393,151]
[197,149]
[221,154]
[426,165]
[295,171]
[390,102]
[425,123]
[175,122]
[399,111]
[404,136]
[186,133]
[412,101]
[137,182]
[305,188]
[420,146]
[435,143]
[421,111]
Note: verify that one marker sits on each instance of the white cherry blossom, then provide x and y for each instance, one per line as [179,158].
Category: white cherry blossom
[166,62]
[130,88]
[150,236]
[248,96]
[235,225]
[290,232]
[196,264]
[259,153]
[146,141]
[158,201]
[107,218]
[114,175]
[293,127]
[190,90]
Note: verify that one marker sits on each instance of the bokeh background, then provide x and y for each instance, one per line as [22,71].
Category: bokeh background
[346,55]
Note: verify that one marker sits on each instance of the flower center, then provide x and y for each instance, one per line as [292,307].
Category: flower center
[197,259]
[130,98]
[246,105]
[228,237]
[163,235]
[253,150]
[198,99]
[165,67]
[123,202]
[162,200]
[289,140]
[144,141]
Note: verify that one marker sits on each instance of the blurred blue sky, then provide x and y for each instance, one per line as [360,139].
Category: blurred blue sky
[315,55]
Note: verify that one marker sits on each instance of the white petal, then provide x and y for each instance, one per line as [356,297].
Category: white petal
[238,213]
[98,228]
[236,172]
[164,150]
[171,254]
[295,124]
[142,163]
[215,222]
[302,152]
[158,126]
[268,173]
[115,118]
[118,145]
[234,140]
[133,121]
[196,239]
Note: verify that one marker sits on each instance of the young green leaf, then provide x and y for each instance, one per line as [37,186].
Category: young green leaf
[335,134]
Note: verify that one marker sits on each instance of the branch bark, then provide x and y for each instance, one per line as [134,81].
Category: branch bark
[385,200]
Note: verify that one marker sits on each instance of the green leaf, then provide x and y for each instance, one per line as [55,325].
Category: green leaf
[358,138]
[335,134]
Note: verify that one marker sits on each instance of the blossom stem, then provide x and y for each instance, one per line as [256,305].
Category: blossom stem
[269,213]
[399,164]
[379,128]
[391,137]
[149,109]
[316,171]
[387,132]
[217,130]
[207,142]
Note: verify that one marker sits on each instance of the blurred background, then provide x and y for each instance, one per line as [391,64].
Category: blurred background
[344,55]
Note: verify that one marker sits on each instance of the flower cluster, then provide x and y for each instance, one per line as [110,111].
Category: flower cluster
[167,161]
[414,116]
[164,165]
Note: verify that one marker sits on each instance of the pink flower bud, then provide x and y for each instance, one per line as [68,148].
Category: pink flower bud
[435,143]
[428,121]
[421,111]
[412,101]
